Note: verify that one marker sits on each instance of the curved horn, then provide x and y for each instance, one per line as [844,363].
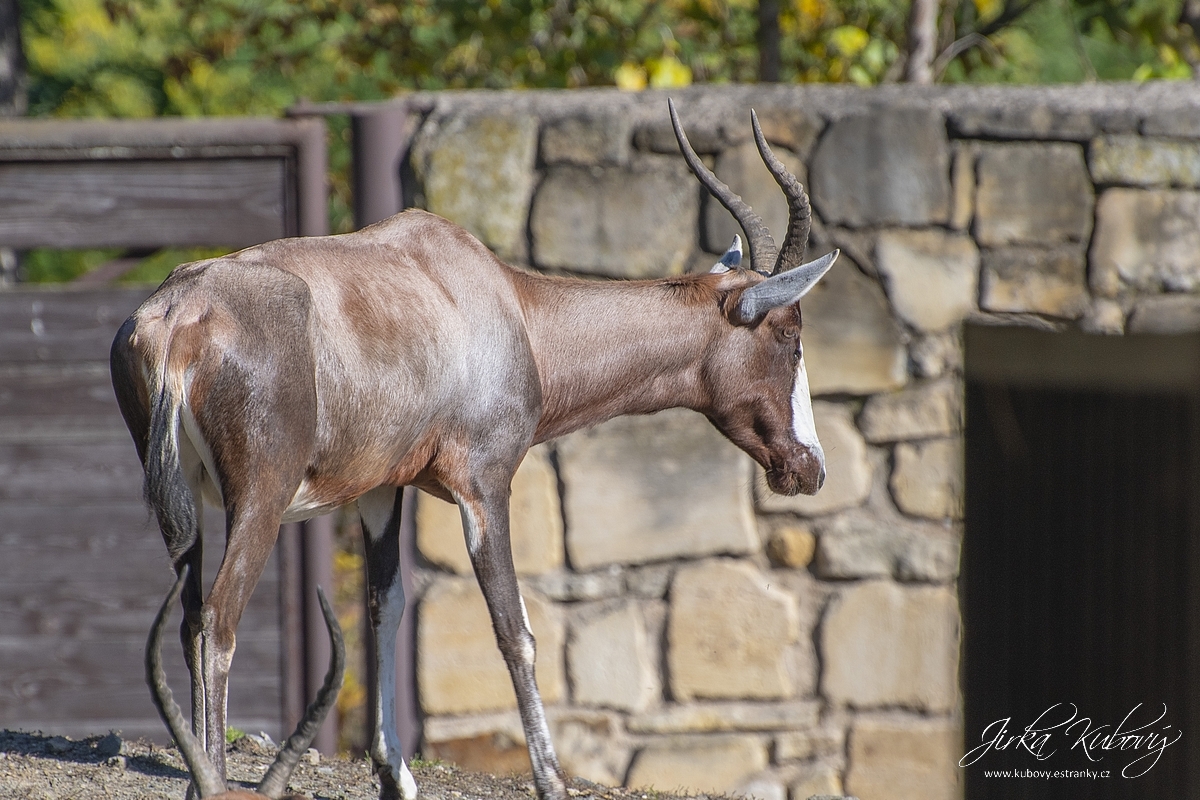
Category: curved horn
[791,255]
[758,238]
[275,781]
[204,774]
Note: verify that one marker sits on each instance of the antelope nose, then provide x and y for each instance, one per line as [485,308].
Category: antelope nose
[821,478]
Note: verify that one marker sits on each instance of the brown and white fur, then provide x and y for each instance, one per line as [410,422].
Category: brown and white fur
[297,376]
[209,784]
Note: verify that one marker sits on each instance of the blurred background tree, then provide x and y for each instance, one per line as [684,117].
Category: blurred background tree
[194,57]
[142,58]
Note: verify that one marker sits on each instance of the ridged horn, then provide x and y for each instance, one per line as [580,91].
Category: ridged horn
[275,781]
[204,775]
[758,238]
[795,244]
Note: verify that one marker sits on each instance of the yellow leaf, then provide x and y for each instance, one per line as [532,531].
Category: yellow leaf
[849,40]
[988,9]
[630,77]
[668,72]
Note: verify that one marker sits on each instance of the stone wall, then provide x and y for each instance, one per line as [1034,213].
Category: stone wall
[693,629]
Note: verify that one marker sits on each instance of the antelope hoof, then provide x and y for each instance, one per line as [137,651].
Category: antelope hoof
[393,786]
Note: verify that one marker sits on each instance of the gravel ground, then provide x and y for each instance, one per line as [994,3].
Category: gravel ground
[36,767]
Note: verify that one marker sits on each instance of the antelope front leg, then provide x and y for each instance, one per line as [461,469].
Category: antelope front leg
[485,523]
[379,510]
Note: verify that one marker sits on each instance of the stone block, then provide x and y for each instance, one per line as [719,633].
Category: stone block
[927,478]
[727,761]
[603,139]
[650,581]
[641,489]
[852,343]
[479,172]
[818,780]
[1183,122]
[866,547]
[791,547]
[804,745]
[612,662]
[936,354]
[496,753]
[535,522]
[891,167]
[917,412]
[847,468]
[1035,280]
[705,135]
[459,667]
[1146,240]
[726,717]
[1037,194]
[762,788]
[1166,314]
[742,168]
[1141,161]
[905,759]
[571,587]
[591,747]
[1024,121]
[1104,316]
[932,277]
[887,645]
[635,223]
[962,186]
[729,633]
[783,127]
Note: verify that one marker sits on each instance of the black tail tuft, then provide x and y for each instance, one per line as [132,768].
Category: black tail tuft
[166,489]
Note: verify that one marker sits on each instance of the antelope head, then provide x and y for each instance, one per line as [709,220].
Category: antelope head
[758,384]
[207,780]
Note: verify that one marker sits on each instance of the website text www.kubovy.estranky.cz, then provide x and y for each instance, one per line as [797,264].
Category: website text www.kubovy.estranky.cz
[1047,774]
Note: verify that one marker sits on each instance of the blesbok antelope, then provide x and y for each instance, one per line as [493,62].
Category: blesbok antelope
[207,780]
[296,376]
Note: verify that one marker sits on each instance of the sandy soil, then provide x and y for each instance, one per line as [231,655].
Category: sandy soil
[36,767]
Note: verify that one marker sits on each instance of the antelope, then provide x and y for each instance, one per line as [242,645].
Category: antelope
[299,375]
[208,782]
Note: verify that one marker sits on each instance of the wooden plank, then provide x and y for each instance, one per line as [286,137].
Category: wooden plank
[67,473]
[235,202]
[41,325]
[65,563]
[53,401]
[53,677]
[80,585]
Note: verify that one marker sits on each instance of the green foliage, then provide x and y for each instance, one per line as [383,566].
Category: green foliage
[137,58]
[1056,41]
[58,266]
[141,58]
[232,734]
[45,265]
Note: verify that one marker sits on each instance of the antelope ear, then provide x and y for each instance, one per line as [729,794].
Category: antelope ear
[732,258]
[783,289]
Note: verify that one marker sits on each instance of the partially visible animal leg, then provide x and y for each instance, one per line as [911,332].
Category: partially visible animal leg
[379,510]
[252,535]
[485,523]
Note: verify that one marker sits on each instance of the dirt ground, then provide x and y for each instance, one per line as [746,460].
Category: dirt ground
[36,767]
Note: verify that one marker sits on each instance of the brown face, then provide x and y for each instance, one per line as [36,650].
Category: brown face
[762,401]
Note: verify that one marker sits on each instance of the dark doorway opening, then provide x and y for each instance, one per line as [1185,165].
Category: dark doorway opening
[1081,565]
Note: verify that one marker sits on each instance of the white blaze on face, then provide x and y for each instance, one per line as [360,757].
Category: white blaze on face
[804,428]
